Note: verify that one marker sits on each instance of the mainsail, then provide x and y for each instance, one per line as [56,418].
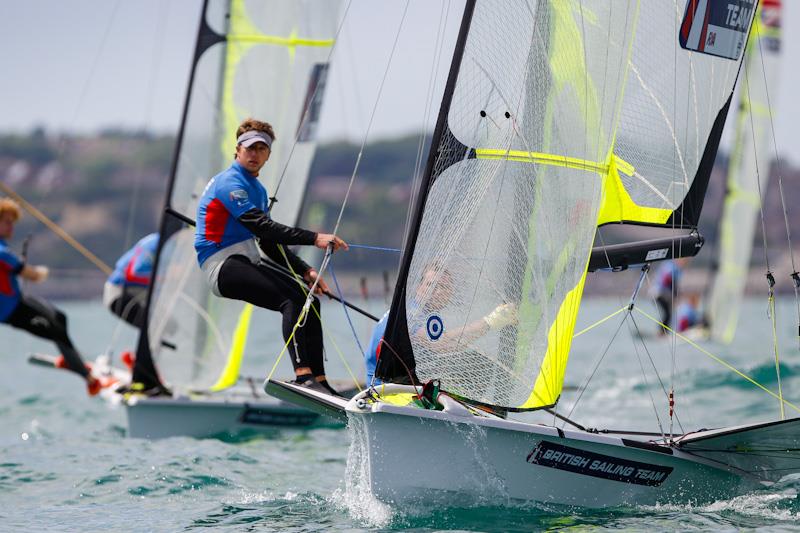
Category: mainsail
[748,170]
[262,58]
[559,116]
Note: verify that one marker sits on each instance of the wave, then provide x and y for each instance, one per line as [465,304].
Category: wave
[763,373]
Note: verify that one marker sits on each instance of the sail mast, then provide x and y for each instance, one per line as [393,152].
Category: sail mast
[397,361]
[144,370]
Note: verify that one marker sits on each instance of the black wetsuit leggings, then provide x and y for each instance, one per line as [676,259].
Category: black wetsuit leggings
[665,308]
[130,307]
[43,320]
[239,279]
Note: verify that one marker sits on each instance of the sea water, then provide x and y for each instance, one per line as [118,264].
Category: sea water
[66,465]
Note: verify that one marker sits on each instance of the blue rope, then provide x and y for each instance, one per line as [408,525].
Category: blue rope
[378,248]
[346,314]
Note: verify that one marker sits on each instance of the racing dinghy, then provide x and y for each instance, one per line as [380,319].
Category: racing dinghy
[558,117]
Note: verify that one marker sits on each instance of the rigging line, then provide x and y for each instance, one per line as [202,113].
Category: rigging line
[344,308]
[722,362]
[779,164]
[158,41]
[777,358]
[647,385]
[758,174]
[306,290]
[770,280]
[158,47]
[88,80]
[655,370]
[55,228]
[596,366]
[371,119]
[378,248]
[437,56]
[310,102]
[601,321]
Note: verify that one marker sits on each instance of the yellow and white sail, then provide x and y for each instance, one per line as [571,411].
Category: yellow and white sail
[748,170]
[265,59]
[564,115]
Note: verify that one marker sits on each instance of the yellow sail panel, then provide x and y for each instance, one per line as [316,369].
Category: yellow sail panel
[230,374]
[550,380]
[617,204]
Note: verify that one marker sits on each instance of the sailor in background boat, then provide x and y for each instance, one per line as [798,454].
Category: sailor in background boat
[665,289]
[688,313]
[233,222]
[32,314]
[125,291]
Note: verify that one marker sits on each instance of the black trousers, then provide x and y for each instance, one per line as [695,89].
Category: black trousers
[43,320]
[130,307]
[665,308]
[239,279]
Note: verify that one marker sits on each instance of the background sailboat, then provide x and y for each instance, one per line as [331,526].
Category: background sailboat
[748,170]
[260,58]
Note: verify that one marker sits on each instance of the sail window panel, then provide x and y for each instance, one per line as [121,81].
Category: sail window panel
[543,77]
[499,233]
[185,314]
[671,100]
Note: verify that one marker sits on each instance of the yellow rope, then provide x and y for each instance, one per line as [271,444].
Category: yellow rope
[609,317]
[285,347]
[324,330]
[720,361]
[56,229]
[775,345]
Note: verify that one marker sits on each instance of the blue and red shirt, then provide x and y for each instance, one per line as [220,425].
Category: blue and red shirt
[667,278]
[135,267]
[10,267]
[227,196]
[687,316]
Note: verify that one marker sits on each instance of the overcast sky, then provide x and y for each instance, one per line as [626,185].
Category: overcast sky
[87,64]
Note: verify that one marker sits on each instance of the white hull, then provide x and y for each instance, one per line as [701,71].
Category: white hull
[218,415]
[417,455]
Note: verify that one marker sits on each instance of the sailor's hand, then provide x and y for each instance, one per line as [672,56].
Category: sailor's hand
[503,315]
[325,239]
[35,273]
[42,272]
[310,276]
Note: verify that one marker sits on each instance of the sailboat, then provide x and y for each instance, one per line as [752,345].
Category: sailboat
[558,117]
[748,171]
[256,58]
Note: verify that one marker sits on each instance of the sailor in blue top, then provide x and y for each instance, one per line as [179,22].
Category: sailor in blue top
[125,290]
[28,313]
[233,223]
[665,289]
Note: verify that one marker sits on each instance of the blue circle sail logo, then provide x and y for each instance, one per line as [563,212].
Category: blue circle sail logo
[434,327]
